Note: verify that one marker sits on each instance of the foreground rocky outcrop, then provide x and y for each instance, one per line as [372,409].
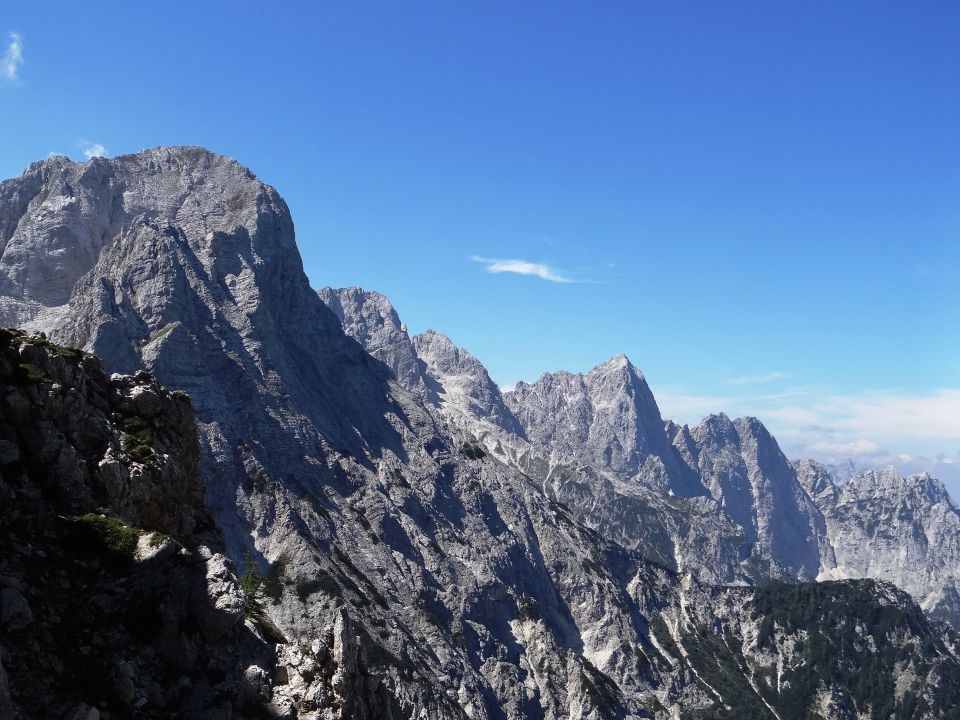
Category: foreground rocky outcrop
[427,546]
[114,598]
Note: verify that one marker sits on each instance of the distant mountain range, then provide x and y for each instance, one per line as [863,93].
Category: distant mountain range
[424,544]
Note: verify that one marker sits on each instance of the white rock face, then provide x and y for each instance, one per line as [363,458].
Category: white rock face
[462,385]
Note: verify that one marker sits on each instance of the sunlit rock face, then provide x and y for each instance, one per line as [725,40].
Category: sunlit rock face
[430,546]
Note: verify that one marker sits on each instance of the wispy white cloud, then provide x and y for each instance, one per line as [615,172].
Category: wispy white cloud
[12,58]
[523,267]
[759,379]
[91,149]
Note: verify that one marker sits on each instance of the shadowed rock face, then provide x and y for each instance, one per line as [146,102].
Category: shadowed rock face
[315,459]
[404,513]
[745,471]
[112,589]
[370,319]
[443,376]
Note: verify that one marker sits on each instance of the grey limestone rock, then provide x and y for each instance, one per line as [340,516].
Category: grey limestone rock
[462,385]
[315,459]
[105,598]
[747,474]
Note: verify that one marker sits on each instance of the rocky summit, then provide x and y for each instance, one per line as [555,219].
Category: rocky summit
[279,504]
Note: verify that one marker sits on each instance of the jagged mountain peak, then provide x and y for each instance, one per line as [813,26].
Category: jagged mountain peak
[889,482]
[607,416]
[58,219]
[462,384]
[341,300]
[441,346]
[149,161]
[816,480]
[617,362]
[719,429]
[444,376]
[370,318]
[415,571]
[716,429]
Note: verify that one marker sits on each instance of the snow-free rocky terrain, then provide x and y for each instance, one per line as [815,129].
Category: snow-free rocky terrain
[420,544]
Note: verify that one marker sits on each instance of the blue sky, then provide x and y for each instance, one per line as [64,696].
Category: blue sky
[756,201]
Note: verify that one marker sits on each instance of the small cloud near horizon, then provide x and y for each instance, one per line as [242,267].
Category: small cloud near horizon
[91,149]
[12,58]
[522,267]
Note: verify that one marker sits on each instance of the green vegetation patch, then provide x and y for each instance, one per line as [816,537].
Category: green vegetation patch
[602,691]
[157,334]
[105,534]
[140,436]
[70,353]
[252,583]
[30,373]
[472,451]
[829,614]
[660,631]
[719,662]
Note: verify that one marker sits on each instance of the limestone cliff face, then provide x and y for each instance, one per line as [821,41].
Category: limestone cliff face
[369,318]
[429,547]
[181,262]
[904,530]
[464,389]
[443,376]
[735,509]
[745,471]
[608,416]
